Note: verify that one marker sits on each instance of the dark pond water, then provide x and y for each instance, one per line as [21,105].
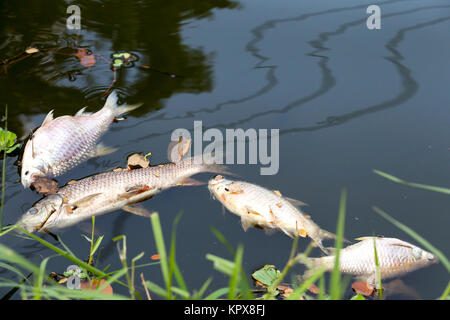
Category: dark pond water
[346,99]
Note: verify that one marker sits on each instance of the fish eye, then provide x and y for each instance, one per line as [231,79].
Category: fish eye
[33,211]
[430,257]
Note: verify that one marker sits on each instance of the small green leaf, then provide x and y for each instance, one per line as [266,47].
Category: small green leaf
[266,275]
[7,141]
[358,296]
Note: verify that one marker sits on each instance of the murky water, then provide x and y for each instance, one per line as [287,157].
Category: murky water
[346,99]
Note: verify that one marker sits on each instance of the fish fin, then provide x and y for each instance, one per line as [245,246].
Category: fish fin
[136,190]
[48,118]
[82,112]
[178,149]
[138,210]
[295,202]
[192,182]
[363,238]
[402,245]
[269,231]
[366,238]
[250,211]
[246,224]
[111,103]
[103,150]
[86,201]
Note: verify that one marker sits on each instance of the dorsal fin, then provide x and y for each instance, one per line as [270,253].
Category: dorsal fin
[48,118]
[402,245]
[82,113]
[366,238]
[295,202]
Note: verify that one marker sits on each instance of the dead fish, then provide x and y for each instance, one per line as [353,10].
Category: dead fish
[260,207]
[110,191]
[60,144]
[395,257]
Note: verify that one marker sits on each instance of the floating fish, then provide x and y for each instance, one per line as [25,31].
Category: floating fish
[110,191]
[266,209]
[395,258]
[60,144]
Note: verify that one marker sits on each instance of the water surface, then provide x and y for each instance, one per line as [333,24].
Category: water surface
[346,99]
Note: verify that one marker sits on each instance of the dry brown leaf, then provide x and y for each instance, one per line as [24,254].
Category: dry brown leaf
[86,285]
[136,161]
[45,185]
[361,287]
[87,58]
[313,289]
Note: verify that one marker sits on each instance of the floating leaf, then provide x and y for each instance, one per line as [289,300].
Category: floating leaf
[266,275]
[94,284]
[155,257]
[87,59]
[44,185]
[136,161]
[361,287]
[7,141]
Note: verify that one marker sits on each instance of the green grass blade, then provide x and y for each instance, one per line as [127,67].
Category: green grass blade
[235,275]
[335,282]
[298,292]
[157,289]
[216,294]
[223,240]
[173,266]
[377,267]
[412,184]
[446,294]
[201,291]
[66,255]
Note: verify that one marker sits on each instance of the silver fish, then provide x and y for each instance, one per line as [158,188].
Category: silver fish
[395,258]
[60,144]
[110,191]
[260,207]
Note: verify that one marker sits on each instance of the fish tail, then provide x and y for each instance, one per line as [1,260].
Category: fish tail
[111,104]
[207,164]
[312,264]
[328,235]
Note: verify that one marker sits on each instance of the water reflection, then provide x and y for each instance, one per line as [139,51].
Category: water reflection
[149,28]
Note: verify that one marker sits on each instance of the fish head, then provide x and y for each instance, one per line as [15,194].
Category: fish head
[218,186]
[31,166]
[422,258]
[43,213]
[227,192]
